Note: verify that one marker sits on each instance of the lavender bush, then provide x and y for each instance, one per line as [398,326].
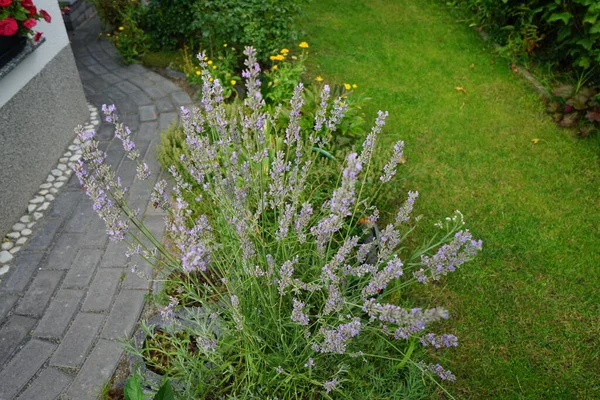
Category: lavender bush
[300,299]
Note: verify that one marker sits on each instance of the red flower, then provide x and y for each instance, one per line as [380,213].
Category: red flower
[46,16]
[32,10]
[5,3]
[27,3]
[29,23]
[38,36]
[8,27]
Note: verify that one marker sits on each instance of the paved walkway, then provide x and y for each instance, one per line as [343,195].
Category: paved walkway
[70,294]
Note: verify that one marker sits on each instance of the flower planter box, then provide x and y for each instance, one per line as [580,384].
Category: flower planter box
[10,47]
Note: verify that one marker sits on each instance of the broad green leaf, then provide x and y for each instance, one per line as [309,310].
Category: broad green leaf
[586,43]
[133,389]
[165,392]
[590,18]
[595,28]
[563,16]
[584,62]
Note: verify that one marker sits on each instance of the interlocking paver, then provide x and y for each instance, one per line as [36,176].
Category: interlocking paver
[181,98]
[98,367]
[61,310]
[39,293]
[44,237]
[83,268]
[166,119]
[47,386]
[103,289]
[77,342]
[164,104]
[23,367]
[63,252]
[124,315]
[148,113]
[7,301]
[25,265]
[12,334]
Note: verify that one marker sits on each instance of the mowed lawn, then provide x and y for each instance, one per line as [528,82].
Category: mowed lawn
[527,311]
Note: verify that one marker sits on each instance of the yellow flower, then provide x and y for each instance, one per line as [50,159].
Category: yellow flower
[354,86]
[279,57]
[319,79]
[210,62]
[210,79]
[284,51]
[214,67]
[347,86]
[304,45]
[197,67]
[275,66]
[233,82]
[205,58]
[108,34]
[198,73]
[121,28]
[272,58]
[225,45]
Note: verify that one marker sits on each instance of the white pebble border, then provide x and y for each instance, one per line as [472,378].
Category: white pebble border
[41,201]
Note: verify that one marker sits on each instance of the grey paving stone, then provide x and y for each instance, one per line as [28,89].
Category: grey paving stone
[139,191]
[143,82]
[97,69]
[164,104]
[81,217]
[23,367]
[148,113]
[102,290]
[167,86]
[65,203]
[87,60]
[114,256]
[95,235]
[128,87]
[83,268]
[148,130]
[12,334]
[110,78]
[153,76]
[63,252]
[105,132]
[181,98]
[98,367]
[156,225]
[42,239]
[61,310]
[139,97]
[26,263]
[127,169]
[136,69]
[124,315]
[39,293]
[166,119]
[7,301]
[141,277]
[153,91]
[77,342]
[47,386]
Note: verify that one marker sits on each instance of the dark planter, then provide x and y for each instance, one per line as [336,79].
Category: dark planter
[10,46]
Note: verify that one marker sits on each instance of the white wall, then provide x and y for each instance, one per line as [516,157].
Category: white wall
[56,39]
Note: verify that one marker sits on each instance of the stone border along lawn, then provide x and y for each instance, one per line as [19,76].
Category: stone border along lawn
[42,200]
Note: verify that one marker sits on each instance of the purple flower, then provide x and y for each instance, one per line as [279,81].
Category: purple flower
[379,281]
[335,340]
[310,363]
[297,314]
[369,143]
[343,197]
[322,109]
[446,340]
[302,221]
[406,209]
[330,385]
[437,369]
[390,168]
[167,313]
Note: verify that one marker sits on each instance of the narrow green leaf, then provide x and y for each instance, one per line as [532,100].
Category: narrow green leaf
[133,389]
[595,28]
[563,16]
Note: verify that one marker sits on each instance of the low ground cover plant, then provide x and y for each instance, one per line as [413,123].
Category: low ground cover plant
[303,288]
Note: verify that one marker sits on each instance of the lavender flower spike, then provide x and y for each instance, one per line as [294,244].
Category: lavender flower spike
[390,168]
[343,197]
[404,212]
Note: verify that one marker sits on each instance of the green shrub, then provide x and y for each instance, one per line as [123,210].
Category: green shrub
[563,31]
[267,25]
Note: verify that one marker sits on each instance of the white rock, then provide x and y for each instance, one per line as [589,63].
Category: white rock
[56,172]
[46,186]
[62,178]
[31,208]
[25,219]
[58,184]
[61,167]
[44,206]
[50,178]
[68,172]
[4,269]
[18,227]
[68,153]
[5,256]
[72,147]
[30,225]
[26,232]
[49,197]
[13,235]
[37,215]
[43,192]
[63,160]
[77,141]
[7,245]
[21,241]
[76,157]
[54,190]
[36,200]
[15,249]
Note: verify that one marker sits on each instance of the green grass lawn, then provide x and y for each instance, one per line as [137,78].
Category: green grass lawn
[527,311]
